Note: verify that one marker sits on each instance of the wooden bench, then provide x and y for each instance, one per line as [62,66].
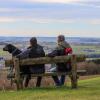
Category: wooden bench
[74,59]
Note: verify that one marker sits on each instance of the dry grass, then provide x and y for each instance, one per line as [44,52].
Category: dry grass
[46,81]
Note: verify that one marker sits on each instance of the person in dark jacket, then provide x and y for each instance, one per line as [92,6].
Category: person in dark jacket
[33,51]
[63,48]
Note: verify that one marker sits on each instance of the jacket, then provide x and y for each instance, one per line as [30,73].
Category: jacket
[60,51]
[32,52]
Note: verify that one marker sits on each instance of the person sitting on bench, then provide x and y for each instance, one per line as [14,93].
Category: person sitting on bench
[33,51]
[63,48]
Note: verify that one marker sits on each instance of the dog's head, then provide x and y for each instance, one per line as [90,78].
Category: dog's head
[9,48]
[12,49]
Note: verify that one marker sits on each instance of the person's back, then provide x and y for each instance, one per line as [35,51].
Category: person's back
[35,52]
[61,50]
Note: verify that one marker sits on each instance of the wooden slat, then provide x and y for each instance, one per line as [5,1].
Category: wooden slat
[79,72]
[49,60]
[50,74]
[8,63]
[96,60]
[58,74]
[46,60]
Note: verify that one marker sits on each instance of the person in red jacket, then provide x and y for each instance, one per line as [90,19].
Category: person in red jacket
[63,48]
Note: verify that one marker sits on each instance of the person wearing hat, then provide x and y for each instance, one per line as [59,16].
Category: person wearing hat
[63,48]
[33,51]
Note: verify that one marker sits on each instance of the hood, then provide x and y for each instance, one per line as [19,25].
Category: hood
[64,44]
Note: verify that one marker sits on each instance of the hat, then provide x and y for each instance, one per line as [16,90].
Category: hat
[33,40]
[61,37]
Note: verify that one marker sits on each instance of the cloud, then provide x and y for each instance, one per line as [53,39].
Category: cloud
[34,20]
[53,12]
[10,10]
[43,1]
[66,21]
[48,21]
[93,21]
[59,1]
[89,3]
[7,20]
[49,13]
[52,1]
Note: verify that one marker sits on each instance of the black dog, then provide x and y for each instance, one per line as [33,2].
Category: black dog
[15,51]
[12,49]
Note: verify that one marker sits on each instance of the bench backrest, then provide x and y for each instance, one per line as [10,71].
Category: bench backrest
[47,60]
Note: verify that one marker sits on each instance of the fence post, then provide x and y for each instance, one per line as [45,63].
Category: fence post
[74,71]
[17,73]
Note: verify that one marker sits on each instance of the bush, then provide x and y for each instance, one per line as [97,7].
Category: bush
[91,68]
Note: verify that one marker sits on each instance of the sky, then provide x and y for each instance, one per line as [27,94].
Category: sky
[73,18]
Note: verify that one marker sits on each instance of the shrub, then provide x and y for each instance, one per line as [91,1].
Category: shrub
[90,67]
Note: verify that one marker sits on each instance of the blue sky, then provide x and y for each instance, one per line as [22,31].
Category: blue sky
[80,18]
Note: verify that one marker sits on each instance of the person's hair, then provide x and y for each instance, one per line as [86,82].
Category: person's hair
[61,38]
[33,41]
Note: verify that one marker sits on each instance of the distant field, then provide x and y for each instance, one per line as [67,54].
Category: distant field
[86,49]
[89,89]
[78,49]
[2,53]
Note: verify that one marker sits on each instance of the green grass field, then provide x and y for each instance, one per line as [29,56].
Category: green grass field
[79,49]
[88,89]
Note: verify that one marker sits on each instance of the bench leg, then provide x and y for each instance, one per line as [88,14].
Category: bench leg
[74,81]
[18,79]
[74,72]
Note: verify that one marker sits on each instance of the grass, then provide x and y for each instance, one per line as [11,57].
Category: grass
[79,49]
[4,54]
[88,89]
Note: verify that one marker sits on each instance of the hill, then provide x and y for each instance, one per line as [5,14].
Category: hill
[89,89]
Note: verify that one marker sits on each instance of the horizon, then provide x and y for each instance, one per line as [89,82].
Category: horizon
[44,37]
